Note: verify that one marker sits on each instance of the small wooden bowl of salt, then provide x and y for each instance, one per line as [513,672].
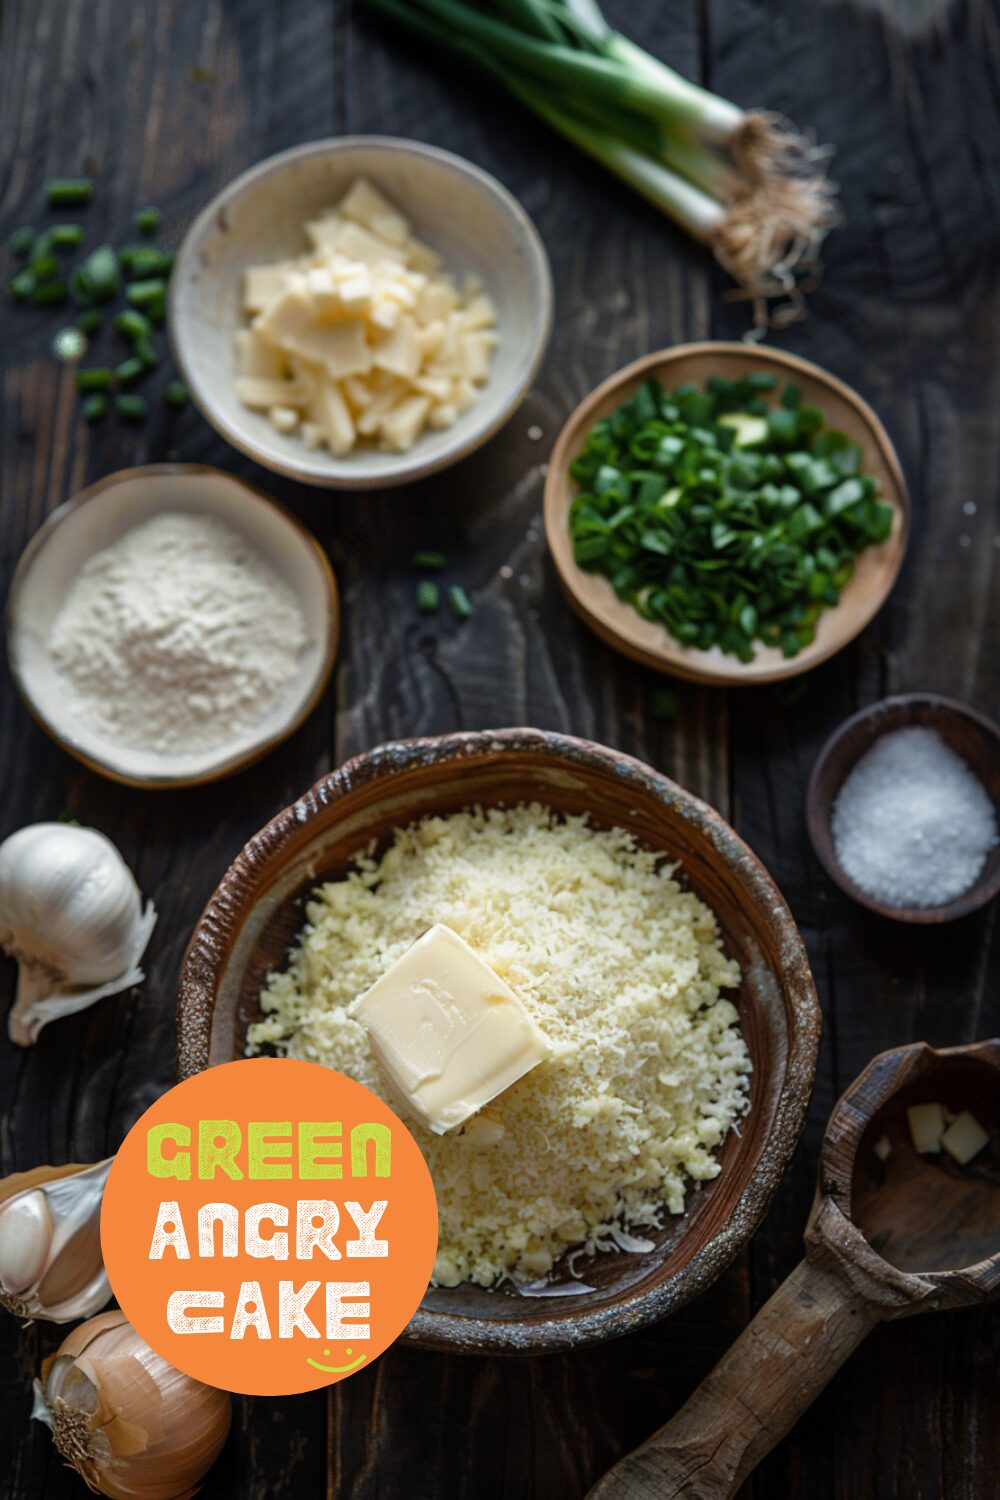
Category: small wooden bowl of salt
[903,808]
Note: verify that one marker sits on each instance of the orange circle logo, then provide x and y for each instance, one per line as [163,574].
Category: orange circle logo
[269,1226]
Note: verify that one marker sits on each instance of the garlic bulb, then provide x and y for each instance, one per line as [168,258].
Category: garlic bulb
[50,1242]
[71,914]
[133,1426]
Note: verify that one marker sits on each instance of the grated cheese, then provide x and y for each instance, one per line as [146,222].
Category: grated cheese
[620,967]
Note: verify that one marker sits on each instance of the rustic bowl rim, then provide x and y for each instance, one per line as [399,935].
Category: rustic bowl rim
[673,658]
[983,889]
[253,753]
[409,467]
[220,922]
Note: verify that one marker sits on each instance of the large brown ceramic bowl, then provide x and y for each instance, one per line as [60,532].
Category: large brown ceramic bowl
[250,922]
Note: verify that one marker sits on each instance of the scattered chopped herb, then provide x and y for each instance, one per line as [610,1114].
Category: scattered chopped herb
[50,291]
[94,379]
[461,608]
[131,408]
[132,324]
[145,293]
[69,344]
[729,520]
[94,407]
[147,219]
[89,321]
[146,351]
[130,370]
[22,285]
[175,393]
[62,192]
[140,261]
[432,561]
[663,704]
[44,267]
[428,597]
[96,279]
[22,240]
[66,236]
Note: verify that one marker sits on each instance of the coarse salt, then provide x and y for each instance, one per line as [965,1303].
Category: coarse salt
[912,825]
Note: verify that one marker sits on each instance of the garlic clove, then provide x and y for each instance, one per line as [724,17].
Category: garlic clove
[25,1240]
[72,916]
[51,1265]
[134,1427]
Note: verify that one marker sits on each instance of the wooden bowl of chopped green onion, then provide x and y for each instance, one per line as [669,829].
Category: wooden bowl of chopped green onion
[725,513]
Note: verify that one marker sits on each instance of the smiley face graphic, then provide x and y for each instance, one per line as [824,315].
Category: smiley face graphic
[338,1369]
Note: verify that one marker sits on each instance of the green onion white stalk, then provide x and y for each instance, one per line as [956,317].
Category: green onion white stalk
[745,183]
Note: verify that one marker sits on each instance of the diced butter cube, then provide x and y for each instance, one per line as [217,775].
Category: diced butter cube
[381,403]
[883,1148]
[331,411]
[323,290]
[401,426]
[449,1032]
[429,338]
[464,395]
[364,203]
[313,435]
[291,321]
[258,357]
[438,387]
[284,418]
[437,300]
[476,350]
[422,258]
[262,284]
[927,1123]
[398,352]
[479,313]
[263,394]
[357,392]
[356,291]
[390,225]
[322,232]
[964,1138]
[360,244]
[442,415]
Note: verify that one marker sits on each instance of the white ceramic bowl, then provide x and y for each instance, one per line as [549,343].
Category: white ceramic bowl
[95,519]
[459,210]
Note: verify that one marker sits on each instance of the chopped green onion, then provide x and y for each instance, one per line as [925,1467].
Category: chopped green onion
[22,285]
[66,236]
[145,293]
[94,407]
[96,279]
[156,308]
[132,324]
[432,561]
[131,408]
[94,379]
[428,597]
[89,321]
[62,192]
[69,345]
[129,370]
[50,291]
[141,261]
[22,240]
[147,219]
[663,704]
[461,608]
[45,267]
[175,393]
[146,351]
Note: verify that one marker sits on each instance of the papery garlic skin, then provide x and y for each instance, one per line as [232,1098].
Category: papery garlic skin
[71,915]
[133,1426]
[51,1267]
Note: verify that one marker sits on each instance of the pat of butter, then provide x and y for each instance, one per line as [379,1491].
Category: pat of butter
[448,1031]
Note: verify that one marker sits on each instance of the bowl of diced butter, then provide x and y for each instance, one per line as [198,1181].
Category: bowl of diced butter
[360,312]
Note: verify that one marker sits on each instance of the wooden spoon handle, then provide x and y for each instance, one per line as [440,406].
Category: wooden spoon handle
[752,1398]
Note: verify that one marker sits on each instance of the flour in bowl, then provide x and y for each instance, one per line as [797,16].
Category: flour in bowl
[178,638]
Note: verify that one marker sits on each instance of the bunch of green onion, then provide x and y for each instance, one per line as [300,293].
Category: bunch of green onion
[745,183]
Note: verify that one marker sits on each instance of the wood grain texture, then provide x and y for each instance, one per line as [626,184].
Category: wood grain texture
[169,100]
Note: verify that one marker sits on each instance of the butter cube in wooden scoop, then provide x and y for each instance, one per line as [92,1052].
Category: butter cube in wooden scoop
[448,1031]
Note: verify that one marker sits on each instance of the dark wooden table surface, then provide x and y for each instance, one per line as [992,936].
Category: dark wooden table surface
[167,101]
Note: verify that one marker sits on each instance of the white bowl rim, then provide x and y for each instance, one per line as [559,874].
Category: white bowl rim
[410,468]
[223,765]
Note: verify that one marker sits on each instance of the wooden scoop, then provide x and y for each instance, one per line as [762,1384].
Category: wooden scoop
[884,1239]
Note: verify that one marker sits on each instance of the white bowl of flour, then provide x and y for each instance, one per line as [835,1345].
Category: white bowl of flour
[170,625]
